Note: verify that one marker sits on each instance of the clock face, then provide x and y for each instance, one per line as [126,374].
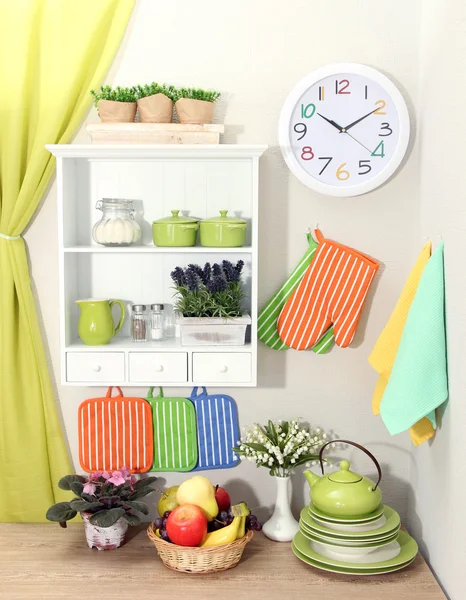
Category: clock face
[344,130]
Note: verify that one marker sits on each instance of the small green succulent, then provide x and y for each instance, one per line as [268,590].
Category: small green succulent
[119,94]
[150,89]
[197,94]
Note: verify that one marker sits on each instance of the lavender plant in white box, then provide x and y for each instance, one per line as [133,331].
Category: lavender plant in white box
[209,300]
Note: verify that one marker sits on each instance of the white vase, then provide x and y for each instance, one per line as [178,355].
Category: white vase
[104,538]
[282,526]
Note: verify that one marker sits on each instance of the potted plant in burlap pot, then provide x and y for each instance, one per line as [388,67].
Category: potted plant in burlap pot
[106,502]
[155,102]
[195,105]
[115,105]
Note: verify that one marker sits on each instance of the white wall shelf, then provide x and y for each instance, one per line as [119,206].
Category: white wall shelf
[199,181]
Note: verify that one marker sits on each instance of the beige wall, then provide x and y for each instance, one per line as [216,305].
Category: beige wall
[255,52]
[438,472]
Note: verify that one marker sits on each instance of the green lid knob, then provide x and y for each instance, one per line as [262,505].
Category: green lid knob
[344,465]
[223,213]
[175,213]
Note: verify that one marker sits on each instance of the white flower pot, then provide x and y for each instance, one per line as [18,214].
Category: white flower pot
[282,526]
[104,538]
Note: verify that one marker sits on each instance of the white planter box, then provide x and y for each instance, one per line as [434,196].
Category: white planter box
[213,331]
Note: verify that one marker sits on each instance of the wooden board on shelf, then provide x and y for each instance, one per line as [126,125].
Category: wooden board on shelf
[154,133]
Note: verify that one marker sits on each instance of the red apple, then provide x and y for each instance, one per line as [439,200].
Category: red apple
[187,525]
[222,497]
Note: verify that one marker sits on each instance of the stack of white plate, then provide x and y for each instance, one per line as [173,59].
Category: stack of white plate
[368,544]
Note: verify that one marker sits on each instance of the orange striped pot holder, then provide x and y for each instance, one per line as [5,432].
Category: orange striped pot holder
[332,291]
[115,432]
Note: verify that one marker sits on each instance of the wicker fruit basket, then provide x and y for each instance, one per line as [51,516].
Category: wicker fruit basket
[199,560]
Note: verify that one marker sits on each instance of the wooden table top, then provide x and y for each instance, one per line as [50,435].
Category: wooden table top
[45,561]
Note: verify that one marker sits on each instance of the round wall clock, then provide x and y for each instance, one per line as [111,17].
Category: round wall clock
[344,129]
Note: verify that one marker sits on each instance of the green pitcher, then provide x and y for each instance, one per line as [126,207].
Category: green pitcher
[96,326]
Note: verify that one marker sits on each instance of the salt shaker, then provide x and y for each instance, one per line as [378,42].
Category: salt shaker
[157,322]
[139,323]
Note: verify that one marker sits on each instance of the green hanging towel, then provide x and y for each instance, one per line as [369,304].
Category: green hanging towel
[267,320]
[175,433]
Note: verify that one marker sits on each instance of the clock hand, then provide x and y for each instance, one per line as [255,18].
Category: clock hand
[360,143]
[340,129]
[345,129]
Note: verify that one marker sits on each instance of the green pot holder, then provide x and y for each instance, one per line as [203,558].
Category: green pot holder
[175,433]
[267,320]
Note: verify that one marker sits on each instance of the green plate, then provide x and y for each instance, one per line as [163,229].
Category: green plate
[408,551]
[347,570]
[348,541]
[339,543]
[393,521]
[356,519]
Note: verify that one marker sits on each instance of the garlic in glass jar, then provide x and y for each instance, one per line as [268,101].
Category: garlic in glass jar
[117,226]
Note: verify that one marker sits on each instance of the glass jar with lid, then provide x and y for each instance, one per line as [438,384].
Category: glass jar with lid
[117,227]
[157,322]
[139,323]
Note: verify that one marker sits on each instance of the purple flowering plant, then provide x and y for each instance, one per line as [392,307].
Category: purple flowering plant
[106,495]
[209,291]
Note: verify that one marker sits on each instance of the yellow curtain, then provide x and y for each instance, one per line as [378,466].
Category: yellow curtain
[52,52]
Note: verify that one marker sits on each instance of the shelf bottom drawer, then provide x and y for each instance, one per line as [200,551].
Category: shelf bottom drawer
[222,367]
[95,367]
[156,367]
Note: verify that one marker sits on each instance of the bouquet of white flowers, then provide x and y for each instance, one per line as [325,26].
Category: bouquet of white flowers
[280,446]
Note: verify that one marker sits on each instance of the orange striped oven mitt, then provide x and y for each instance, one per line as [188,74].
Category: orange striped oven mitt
[332,291]
[115,432]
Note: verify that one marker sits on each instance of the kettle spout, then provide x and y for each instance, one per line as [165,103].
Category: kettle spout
[311,477]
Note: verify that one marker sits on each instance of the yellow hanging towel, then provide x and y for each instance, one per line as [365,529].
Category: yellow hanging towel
[384,352]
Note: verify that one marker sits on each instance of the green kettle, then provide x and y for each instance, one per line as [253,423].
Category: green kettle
[344,493]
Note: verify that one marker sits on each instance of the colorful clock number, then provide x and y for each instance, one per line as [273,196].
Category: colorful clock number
[307,153]
[341,86]
[379,151]
[300,128]
[321,92]
[342,174]
[379,110]
[328,159]
[364,164]
[386,127]
[307,111]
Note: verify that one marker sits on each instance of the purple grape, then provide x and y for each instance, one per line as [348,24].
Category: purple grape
[158,523]
[164,535]
[217,525]
[252,518]
[223,516]
[164,523]
[166,514]
[258,526]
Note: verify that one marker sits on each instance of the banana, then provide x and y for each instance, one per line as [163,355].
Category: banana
[232,532]
[223,536]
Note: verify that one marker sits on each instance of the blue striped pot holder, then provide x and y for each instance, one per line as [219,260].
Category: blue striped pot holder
[217,430]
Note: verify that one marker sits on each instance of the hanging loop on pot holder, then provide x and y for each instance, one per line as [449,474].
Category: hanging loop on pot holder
[151,391]
[217,430]
[110,389]
[194,393]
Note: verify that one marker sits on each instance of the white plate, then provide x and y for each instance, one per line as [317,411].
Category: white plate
[359,555]
[363,527]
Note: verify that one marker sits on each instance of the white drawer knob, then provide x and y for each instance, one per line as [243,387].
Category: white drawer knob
[96,368]
[159,368]
[223,369]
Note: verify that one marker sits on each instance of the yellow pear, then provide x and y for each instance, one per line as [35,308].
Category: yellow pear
[199,491]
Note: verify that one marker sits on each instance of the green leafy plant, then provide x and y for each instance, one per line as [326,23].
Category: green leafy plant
[197,94]
[211,291]
[119,94]
[150,89]
[106,496]
[280,446]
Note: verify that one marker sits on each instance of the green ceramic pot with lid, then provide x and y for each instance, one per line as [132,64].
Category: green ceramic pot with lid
[176,230]
[223,231]
[344,493]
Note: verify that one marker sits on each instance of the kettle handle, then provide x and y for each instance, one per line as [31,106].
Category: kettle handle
[379,470]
